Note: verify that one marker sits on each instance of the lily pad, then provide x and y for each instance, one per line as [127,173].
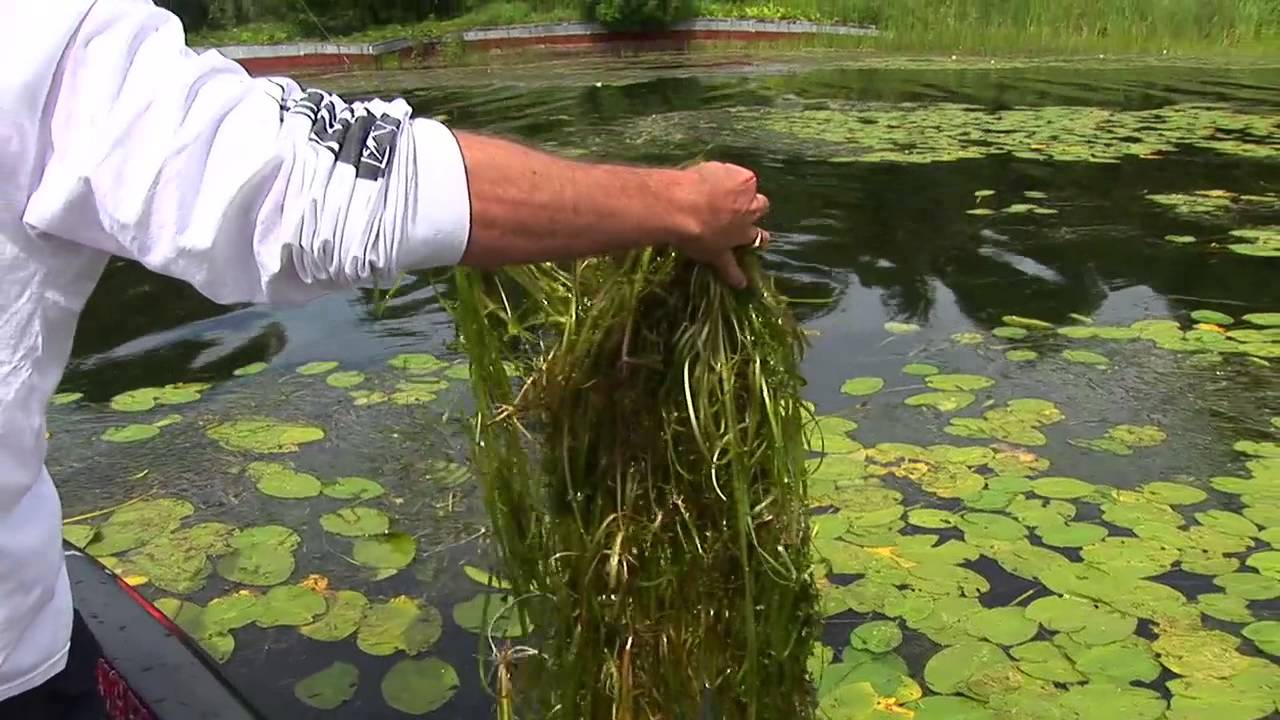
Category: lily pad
[353,488]
[1137,435]
[1086,357]
[1171,493]
[1200,653]
[880,636]
[958,382]
[130,433]
[250,369]
[136,524]
[1227,522]
[328,688]
[264,435]
[1026,322]
[990,526]
[901,328]
[289,605]
[951,707]
[1212,316]
[318,367]
[1061,488]
[967,338]
[399,624]
[418,687]
[488,614]
[65,398]
[356,522]
[932,519]
[348,379]
[487,579]
[1021,355]
[1103,701]
[1008,332]
[392,551]
[1130,557]
[942,401]
[345,611]
[949,670]
[1222,606]
[862,386]
[920,369]
[1266,635]
[1266,319]
[1070,534]
[1003,625]
[282,481]
[1044,661]
[849,700]
[1250,586]
[264,562]
[417,363]
[78,535]
[230,612]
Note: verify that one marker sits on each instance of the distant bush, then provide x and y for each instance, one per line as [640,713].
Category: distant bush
[639,14]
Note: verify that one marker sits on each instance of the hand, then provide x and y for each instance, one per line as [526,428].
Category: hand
[725,209]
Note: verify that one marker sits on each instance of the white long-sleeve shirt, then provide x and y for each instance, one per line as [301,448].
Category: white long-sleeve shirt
[117,139]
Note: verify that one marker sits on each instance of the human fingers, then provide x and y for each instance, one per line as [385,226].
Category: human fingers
[727,266]
[759,207]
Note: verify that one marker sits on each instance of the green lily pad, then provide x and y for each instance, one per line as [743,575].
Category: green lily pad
[417,363]
[356,522]
[1120,663]
[958,382]
[850,700]
[348,379]
[880,636]
[920,369]
[942,401]
[1227,522]
[262,556]
[130,433]
[1171,493]
[862,386]
[1103,701]
[282,481]
[1130,557]
[1026,323]
[328,688]
[1200,653]
[250,369]
[932,519]
[949,670]
[1258,449]
[144,399]
[1021,355]
[1225,607]
[1212,316]
[1180,239]
[967,338]
[289,605]
[1266,635]
[1132,514]
[361,398]
[231,612]
[1061,488]
[1107,445]
[65,398]
[488,614]
[392,551]
[1267,319]
[458,371]
[353,488]
[901,328]
[990,526]
[79,535]
[1070,534]
[983,193]
[416,393]
[1266,563]
[400,623]
[170,566]
[1003,626]
[1062,614]
[418,687]
[1008,332]
[136,524]
[1250,586]
[1137,435]
[1086,357]
[1044,661]
[950,707]
[263,435]
[318,367]
[485,578]
[345,611]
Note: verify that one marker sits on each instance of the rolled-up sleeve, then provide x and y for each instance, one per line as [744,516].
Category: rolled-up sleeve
[251,189]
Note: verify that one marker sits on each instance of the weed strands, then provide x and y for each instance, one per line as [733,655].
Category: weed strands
[645,481]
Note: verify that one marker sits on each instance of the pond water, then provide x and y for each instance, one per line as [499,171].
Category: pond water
[1069,269]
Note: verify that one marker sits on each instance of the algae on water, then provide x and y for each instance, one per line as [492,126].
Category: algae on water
[646,487]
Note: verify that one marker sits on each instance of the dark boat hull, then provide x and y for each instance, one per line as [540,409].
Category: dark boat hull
[150,669]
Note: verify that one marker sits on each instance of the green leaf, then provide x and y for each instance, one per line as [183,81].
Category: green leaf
[282,481]
[130,433]
[958,382]
[361,398]
[942,401]
[1180,239]
[1105,627]
[289,605]
[1061,488]
[345,612]
[459,371]
[1171,493]
[1008,332]
[392,551]
[1044,661]
[1070,534]
[1200,653]
[880,636]
[1258,449]
[932,519]
[78,535]
[1266,635]
[901,328]
[849,701]
[1211,316]
[329,688]
[170,566]
[1130,557]
[1085,357]
[353,488]
[65,398]
[990,526]
[250,369]
[1021,355]
[1266,562]
[862,386]
[1061,614]
[318,367]
[920,369]
[1229,608]
[966,338]
[485,578]
[951,707]
[1119,663]
[1266,319]
[1026,323]
[356,522]
[263,435]
[400,623]
[344,380]
[1102,701]
[983,193]
[1249,586]
[1227,522]
[951,668]
[1137,435]
[488,614]
[417,393]
[259,564]
[1003,625]
[136,524]
[417,363]
[418,687]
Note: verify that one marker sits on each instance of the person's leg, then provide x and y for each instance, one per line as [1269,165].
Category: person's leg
[71,694]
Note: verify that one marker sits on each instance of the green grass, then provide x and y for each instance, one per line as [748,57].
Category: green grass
[971,27]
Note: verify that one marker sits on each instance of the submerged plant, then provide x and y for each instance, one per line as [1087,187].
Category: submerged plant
[646,487]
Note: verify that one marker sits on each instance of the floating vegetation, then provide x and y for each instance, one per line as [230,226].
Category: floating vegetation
[345,379]
[862,386]
[283,481]
[328,688]
[666,474]
[418,687]
[401,624]
[319,367]
[144,399]
[1259,241]
[901,328]
[65,398]
[1214,202]
[250,369]
[264,435]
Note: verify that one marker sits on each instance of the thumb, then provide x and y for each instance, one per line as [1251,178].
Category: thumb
[727,266]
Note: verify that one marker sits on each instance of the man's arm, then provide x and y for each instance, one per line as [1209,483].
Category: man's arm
[258,190]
